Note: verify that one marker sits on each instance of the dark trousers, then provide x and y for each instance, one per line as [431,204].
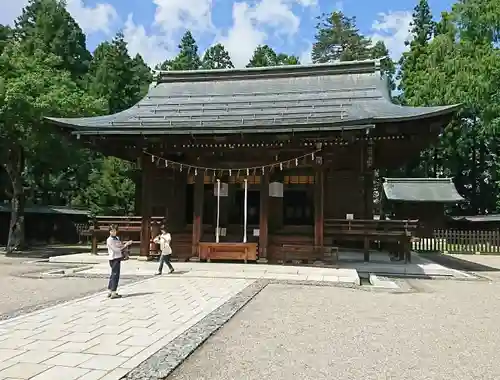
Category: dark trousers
[165,259]
[114,278]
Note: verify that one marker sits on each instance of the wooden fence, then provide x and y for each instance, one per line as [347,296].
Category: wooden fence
[457,241]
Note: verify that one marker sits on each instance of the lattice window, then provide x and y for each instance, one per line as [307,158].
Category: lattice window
[252,179]
[298,179]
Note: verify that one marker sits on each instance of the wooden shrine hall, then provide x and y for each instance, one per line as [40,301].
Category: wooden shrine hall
[243,163]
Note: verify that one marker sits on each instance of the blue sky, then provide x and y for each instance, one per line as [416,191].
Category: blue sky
[153,27]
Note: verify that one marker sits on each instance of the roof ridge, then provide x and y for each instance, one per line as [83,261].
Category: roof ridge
[330,68]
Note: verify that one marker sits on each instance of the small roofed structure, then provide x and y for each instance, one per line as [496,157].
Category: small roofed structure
[420,198]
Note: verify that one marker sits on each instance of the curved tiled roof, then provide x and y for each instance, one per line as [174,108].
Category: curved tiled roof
[277,99]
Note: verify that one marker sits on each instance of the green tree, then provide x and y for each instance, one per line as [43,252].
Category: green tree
[111,189]
[114,76]
[46,25]
[5,35]
[265,56]
[379,50]
[461,65]
[338,39]
[33,86]
[421,30]
[187,59]
[142,75]
[216,57]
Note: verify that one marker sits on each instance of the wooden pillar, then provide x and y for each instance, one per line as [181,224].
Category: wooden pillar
[263,220]
[319,202]
[146,188]
[367,173]
[199,192]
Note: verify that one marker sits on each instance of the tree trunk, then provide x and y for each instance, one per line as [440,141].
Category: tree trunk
[14,167]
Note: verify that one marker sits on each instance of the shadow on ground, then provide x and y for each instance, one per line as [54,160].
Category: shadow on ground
[44,252]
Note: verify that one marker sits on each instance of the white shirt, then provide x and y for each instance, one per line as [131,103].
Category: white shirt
[115,247]
[164,241]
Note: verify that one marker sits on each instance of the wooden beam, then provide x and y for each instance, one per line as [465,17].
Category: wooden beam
[319,203]
[264,212]
[146,174]
[199,190]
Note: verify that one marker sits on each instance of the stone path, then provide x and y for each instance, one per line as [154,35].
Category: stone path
[96,338]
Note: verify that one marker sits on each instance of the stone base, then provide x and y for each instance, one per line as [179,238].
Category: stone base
[145,258]
[262,260]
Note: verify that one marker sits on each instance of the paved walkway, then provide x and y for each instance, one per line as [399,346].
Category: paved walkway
[349,267]
[242,271]
[95,338]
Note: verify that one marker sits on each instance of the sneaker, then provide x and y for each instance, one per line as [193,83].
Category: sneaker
[171,270]
[115,295]
[158,274]
[109,294]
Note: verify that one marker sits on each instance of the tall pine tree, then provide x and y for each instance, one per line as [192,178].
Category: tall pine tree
[265,56]
[216,57]
[338,39]
[187,59]
[421,30]
[46,25]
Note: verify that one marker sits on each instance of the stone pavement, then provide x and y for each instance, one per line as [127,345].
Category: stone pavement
[349,267]
[97,338]
[242,271]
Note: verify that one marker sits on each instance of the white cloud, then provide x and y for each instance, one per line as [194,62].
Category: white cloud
[153,48]
[392,28]
[91,19]
[252,24]
[98,18]
[305,57]
[172,15]
[243,36]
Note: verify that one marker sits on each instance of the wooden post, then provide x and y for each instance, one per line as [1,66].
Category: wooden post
[367,172]
[146,188]
[263,220]
[319,200]
[199,190]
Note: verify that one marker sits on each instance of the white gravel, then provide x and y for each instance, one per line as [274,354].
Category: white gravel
[21,291]
[447,330]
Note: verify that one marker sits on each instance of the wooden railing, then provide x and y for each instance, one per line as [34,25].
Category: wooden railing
[129,228]
[459,241]
[393,235]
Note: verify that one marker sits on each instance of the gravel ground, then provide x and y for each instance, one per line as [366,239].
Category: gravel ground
[443,330]
[22,290]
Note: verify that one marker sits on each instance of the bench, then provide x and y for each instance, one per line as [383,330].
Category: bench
[308,253]
[395,234]
[227,251]
[129,228]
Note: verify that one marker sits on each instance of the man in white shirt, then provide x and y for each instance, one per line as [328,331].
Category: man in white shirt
[115,255]
[164,240]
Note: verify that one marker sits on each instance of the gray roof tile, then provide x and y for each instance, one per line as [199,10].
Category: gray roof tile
[441,190]
[260,100]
